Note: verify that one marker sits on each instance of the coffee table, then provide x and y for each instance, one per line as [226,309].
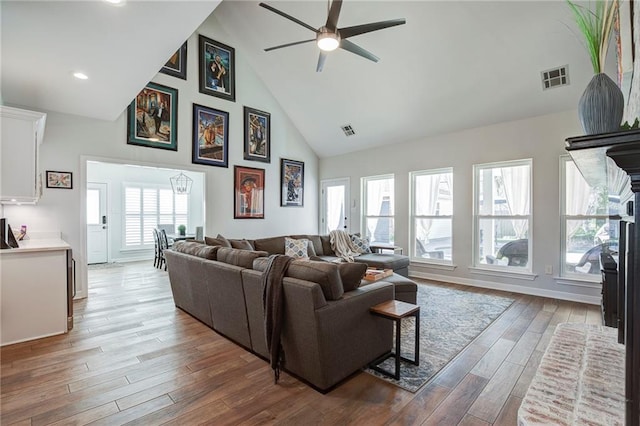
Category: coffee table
[396,310]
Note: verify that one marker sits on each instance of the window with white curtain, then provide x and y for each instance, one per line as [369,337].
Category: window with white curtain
[378,208]
[586,231]
[147,206]
[432,215]
[502,215]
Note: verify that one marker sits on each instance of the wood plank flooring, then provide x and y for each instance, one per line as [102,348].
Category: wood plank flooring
[133,358]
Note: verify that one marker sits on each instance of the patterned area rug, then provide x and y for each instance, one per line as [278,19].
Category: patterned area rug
[449,320]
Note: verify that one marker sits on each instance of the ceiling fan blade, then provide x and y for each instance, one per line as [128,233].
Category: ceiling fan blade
[334,14]
[287,45]
[367,28]
[354,48]
[321,59]
[289,17]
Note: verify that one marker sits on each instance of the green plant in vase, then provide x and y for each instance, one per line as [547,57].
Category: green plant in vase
[182,230]
[601,106]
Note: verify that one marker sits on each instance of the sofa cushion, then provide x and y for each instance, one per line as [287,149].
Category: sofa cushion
[218,241]
[324,273]
[315,248]
[241,244]
[273,245]
[351,274]
[237,257]
[384,260]
[296,248]
[361,243]
[196,249]
[326,246]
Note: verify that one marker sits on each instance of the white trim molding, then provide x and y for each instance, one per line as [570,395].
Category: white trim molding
[433,265]
[561,295]
[503,274]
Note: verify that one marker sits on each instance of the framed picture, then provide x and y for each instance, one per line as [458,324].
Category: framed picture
[152,118]
[291,183]
[217,69]
[62,180]
[210,136]
[248,193]
[257,135]
[176,66]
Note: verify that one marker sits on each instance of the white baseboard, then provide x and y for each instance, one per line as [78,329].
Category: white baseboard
[592,300]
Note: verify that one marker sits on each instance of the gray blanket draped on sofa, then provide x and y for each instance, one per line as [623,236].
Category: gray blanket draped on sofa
[273,301]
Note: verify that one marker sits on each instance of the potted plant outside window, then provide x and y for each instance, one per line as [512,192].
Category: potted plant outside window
[601,106]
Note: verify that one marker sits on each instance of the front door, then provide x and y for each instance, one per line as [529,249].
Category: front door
[97,230]
[334,213]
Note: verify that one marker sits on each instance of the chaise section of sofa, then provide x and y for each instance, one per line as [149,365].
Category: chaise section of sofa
[328,334]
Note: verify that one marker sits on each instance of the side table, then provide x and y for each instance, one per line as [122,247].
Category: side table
[396,310]
[381,248]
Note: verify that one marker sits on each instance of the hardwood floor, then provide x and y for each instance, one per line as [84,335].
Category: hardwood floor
[133,358]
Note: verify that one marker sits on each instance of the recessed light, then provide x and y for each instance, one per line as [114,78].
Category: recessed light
[115,2]
[80,76]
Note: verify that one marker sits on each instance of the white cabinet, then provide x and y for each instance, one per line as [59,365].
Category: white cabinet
[34,291]
[21,177]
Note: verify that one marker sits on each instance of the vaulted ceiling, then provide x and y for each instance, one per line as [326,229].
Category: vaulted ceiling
[453,65]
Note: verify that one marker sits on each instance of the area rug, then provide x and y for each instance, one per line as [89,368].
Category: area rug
[449,320]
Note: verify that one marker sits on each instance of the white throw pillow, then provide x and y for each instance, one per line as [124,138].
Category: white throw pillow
[361,244]
[296,248]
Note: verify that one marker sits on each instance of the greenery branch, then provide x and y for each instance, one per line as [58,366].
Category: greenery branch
[596,25]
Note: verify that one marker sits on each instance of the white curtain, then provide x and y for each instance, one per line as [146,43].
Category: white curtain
[335,208]
[517,193]
[426,197]
[578,195]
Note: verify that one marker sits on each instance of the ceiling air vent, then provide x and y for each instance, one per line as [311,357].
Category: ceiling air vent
[555,77]
[348,130]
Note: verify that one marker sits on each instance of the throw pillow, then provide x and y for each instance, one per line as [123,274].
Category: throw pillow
[241,244]
[222,242]
[296,248]
[361,243]
[351,274]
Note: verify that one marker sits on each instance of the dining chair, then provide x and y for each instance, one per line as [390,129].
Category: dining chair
[164,244]
[156,240]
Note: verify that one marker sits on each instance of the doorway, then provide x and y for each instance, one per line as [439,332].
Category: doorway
[97,228]
[334,205]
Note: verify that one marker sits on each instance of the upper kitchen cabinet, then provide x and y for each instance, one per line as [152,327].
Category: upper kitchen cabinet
[20,175]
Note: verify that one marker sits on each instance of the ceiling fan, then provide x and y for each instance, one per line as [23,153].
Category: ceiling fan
[329,37]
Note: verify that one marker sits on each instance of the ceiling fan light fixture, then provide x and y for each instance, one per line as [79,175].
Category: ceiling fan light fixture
[328,41]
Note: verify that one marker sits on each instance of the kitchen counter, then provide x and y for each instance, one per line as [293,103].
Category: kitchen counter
[45,244]
[37,290]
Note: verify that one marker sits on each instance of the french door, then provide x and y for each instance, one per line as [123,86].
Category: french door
[334,205]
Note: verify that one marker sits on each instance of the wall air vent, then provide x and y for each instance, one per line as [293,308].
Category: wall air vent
[555,77]
[348,130]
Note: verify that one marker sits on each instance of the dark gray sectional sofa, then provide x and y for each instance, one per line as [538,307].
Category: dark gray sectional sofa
[328,331]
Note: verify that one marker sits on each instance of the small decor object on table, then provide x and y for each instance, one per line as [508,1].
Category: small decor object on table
[152,118]
[217,69]
[62,180]
[374,274]
[248,193]
[182,229]
[601,106]
[210,136]
[176,66]
[257,135]
[291,183]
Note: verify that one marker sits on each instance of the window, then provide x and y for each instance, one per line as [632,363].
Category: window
[586,231]
[502,215]
[146,207]
[432,215]
[378,208]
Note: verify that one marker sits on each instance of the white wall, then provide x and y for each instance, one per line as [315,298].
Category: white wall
[539,138]
[115,175]
[70,141]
